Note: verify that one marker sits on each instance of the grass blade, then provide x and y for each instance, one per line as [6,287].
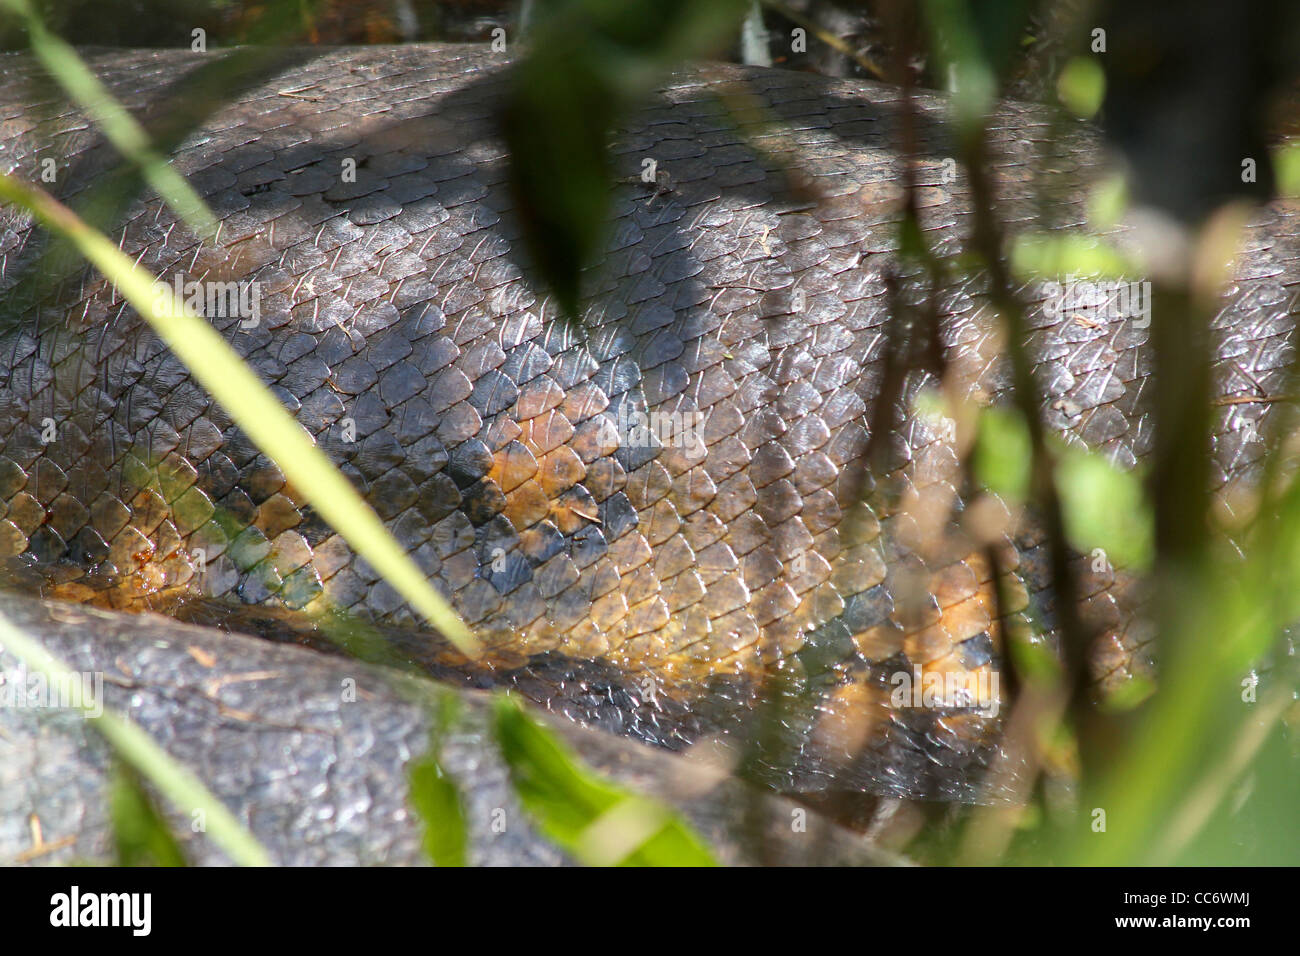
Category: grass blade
[435,796]
[599,823]
[232,383]
[185,791]
[119,126]
[140,833]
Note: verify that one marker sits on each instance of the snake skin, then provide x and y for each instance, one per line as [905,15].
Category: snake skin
[644,579]
[320,780]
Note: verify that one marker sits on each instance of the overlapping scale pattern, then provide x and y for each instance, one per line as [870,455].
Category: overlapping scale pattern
[665,496]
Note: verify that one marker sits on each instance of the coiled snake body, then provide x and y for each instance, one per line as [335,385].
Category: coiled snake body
[643,516]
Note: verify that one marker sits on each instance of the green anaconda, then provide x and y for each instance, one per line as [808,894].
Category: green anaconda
[643,515]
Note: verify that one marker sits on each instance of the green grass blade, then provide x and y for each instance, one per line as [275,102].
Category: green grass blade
[119,126]
[599,823]
[436,798]
[434,795]
[186,792]
[140,833]
[230,381]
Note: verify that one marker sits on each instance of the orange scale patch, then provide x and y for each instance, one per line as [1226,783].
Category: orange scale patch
[880,642]
[850,715]
[928,644]
[559,470]
[648,485]
[629,552]
[674,557]
[641,584]
[512,466]
[773,602]
[537,398]
[583,401]
[647,617]
[595,439]
[609,610]
[662,523]
[821,605]
[682,591]
[545,432]
[971,617]
[574,510]
[526,505]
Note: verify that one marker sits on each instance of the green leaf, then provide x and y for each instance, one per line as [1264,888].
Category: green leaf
[1081,86]
[185,791]
[140,834]
[556,120]
[961,49]
[1104,507]
[589,61]
[436,797]
[598,822]
[1286,167]
[1034,659]
[225,376]
[1108,201]
[1129,695]
[1049,256]
[1003,454]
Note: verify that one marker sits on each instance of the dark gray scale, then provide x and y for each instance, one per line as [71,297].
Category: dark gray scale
[401,327]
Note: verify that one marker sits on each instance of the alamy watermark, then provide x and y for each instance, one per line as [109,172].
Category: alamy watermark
[1099,300]
[240,299]
[74,691]
[952,690]
[133,911]
[682,430]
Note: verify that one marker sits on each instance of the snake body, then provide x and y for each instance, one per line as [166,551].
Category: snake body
[644,515]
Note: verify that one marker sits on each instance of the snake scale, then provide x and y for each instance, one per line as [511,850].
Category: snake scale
[643,515]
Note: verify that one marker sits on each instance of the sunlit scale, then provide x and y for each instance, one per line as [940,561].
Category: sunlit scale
[667,497]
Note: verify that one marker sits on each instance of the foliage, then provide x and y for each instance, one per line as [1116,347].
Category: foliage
[599,823]
[1200,770]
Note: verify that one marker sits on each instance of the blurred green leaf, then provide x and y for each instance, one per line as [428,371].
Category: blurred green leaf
[596,821]
[1108,202]
[1104,507]
[588,62]
[1255,822]
[1081,86]
[141,836]
[1129,695]
[1039,255]
[1003,454]
[1286,167]
[1033,658]
[964,59]
[556,122]
[436,799]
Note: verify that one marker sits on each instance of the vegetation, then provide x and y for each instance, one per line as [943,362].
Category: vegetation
[1200,768]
